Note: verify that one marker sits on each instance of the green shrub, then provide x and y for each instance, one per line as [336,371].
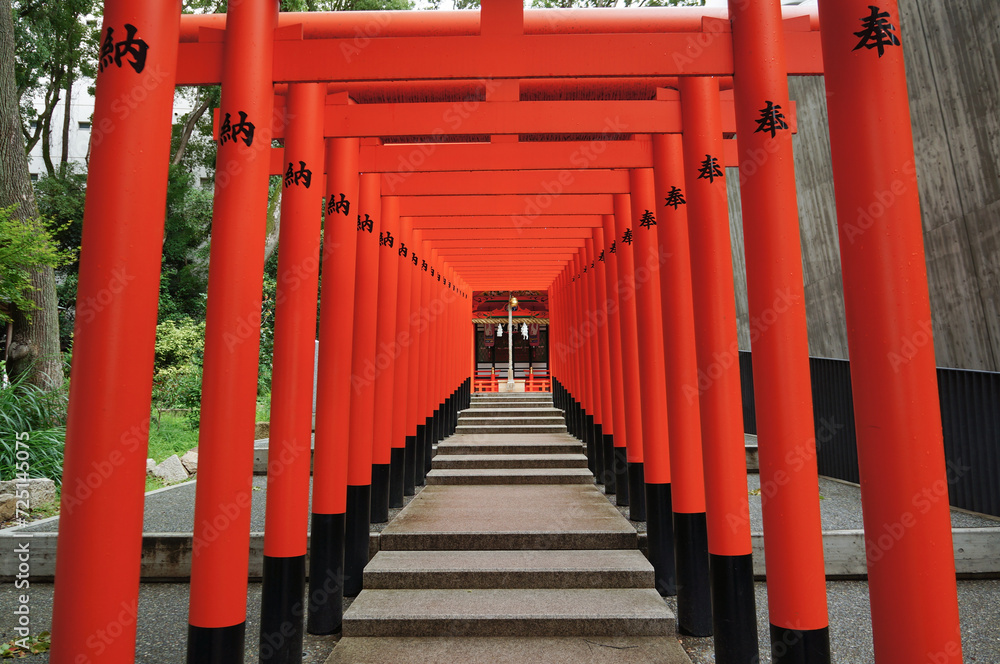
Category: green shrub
[26,409]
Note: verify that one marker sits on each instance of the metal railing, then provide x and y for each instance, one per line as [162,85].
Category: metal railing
[970,419]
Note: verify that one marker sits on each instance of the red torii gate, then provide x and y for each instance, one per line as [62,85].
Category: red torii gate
[123,230]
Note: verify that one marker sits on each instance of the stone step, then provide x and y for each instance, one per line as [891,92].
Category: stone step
[454,461]
[485,429]
[402,570]
[511,650]
[514,411]
[498,517]
[470,446]
[511,420]
[505,612]
[519,403]
[510,476]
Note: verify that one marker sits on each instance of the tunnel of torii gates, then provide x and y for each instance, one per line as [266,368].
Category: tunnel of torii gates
[581,152]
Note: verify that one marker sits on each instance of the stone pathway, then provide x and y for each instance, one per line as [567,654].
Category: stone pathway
[510,554]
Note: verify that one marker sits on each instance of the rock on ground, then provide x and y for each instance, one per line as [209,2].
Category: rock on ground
[40,491]
[190,461]
[171,470]
[8,506]
[150,465]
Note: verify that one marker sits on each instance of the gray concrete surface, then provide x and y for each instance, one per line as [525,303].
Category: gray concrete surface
[439,476]
[571,516]
[509,612]
[953,76]
[511,650]
[509,569]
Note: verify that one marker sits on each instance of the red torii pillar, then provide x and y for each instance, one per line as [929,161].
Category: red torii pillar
[728,516]
[630,356]
[333,388]
[687,488]
[423,372]
[385,358]
[359,458]
[107,430]
[289,450]
[793,534]
[412,477]
[652,379]
[596,322]
[219,566]
[904,483]
[604,342]
[401,462]
[620,465]
[581,355]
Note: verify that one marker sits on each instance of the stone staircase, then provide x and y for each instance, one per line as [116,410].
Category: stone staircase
[509,553]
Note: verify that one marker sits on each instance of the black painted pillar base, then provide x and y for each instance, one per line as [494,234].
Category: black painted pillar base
[428,444]
[326,573]
[215,645]
[396,455]
[356,541]
[800,646]
[608,479]
[588,437]
[598,452]
[436,426]
[636,492]
[660,534]
[380,493]
[409,471]
[621,476]
[283,585]
[734,609]
[418,457]
[694,592]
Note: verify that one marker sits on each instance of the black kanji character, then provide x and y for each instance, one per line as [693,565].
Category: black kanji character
[231,132]
[771,119]
[130,46]
[402,249]
[647,220]
[627,237]
[614,248]
[675,197]
[415,259]
[385,239]
[366,224]
[343,205]
[710,169]
[423,265]
[303,175]
[878,32]
[601,257]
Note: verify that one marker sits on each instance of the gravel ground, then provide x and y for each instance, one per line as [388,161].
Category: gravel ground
[162,627]
[171,510]
[840,507]
[850,624]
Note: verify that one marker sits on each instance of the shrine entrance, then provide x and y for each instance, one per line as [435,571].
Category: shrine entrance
[579,154]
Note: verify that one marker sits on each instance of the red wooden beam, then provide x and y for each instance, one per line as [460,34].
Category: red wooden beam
[461,206]
[490,242]
[553,182]
[525,235]
[508,222]
[401,160]
[507,56]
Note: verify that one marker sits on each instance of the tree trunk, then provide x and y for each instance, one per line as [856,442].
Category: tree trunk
[64,152]
[189,127]
[35,345]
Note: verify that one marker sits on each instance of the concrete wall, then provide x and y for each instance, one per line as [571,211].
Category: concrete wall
[953,73]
